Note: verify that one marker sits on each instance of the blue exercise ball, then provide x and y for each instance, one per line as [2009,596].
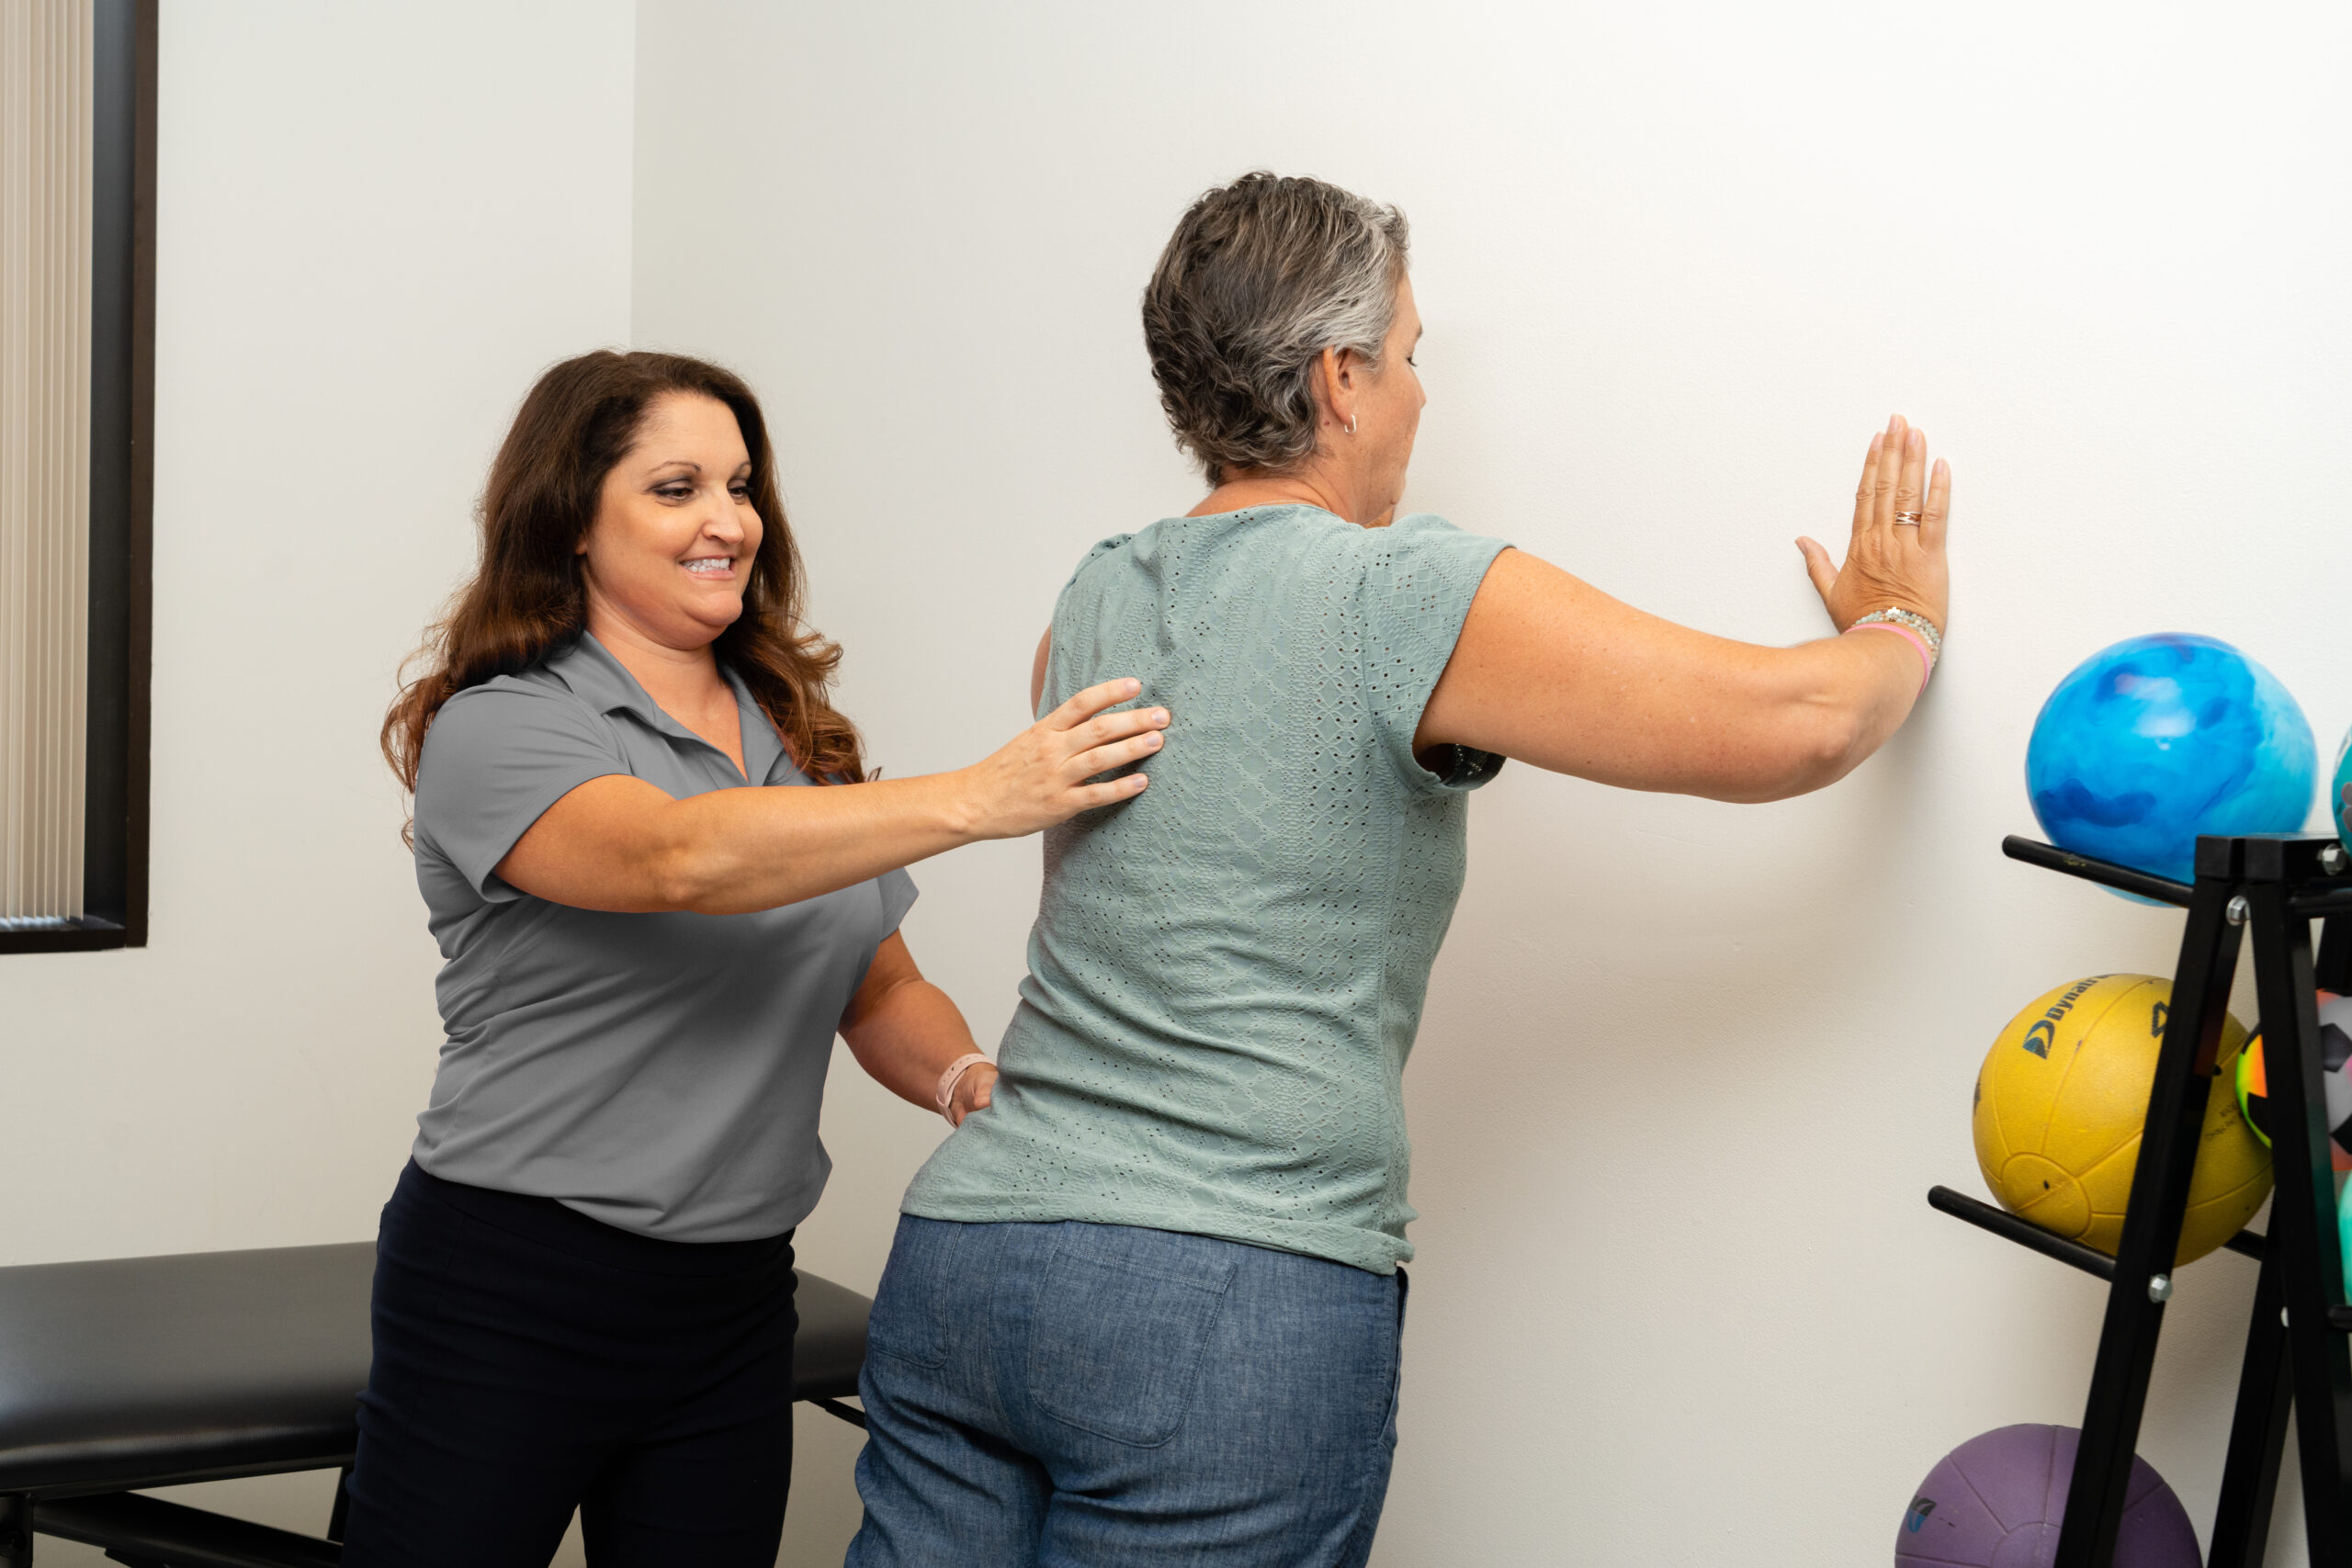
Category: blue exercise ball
[2159,739]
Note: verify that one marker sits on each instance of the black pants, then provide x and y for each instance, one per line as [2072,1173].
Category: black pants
[530,1361]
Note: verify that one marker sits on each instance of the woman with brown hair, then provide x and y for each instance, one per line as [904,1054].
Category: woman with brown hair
[652,926]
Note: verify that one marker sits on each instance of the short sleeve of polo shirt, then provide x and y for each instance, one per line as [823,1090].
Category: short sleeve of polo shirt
[898,896]
[1418,581]
[496,757]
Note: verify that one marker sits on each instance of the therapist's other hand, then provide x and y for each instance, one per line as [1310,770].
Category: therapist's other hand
[973,1091]
[1043,776]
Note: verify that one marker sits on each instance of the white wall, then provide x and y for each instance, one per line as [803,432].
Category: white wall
[1687,1069]
[377,225]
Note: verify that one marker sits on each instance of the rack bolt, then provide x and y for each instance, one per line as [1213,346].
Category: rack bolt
[2159,1287]
[2333,860]
[2238,910]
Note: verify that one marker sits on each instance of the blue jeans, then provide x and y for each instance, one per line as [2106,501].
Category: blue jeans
[1111,1397]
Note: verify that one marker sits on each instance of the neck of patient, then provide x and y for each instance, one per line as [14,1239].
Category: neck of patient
[1320,481]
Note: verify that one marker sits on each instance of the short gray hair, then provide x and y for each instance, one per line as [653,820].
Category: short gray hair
[1258,279]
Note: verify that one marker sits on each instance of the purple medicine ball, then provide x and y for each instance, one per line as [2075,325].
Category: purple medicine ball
[1995,1502]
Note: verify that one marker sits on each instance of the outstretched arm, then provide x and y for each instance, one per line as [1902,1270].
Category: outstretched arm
[1553,671]
[619,843]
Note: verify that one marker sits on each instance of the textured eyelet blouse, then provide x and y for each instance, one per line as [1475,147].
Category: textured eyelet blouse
[1226,971]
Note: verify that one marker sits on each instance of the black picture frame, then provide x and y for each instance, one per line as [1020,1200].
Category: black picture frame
[122,487]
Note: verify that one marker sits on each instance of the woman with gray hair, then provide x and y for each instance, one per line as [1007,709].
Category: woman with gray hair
[1145,1306]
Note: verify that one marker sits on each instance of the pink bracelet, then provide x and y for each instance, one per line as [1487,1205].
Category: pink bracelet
[945,1097]
[1926,657]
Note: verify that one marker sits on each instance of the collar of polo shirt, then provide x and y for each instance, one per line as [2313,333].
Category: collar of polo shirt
[594,675]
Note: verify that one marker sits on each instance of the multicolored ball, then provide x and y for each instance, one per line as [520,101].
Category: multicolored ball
[2336,1067]
[2339,792]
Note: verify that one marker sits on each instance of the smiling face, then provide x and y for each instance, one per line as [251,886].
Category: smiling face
[676,532]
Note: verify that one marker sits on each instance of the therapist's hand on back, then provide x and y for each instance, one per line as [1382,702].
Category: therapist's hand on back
[1041,777]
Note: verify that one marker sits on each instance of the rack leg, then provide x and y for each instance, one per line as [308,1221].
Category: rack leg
[2127,1343]
[2257,1433]
[2302,1219]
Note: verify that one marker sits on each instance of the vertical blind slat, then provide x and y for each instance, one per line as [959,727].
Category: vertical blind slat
[45,254]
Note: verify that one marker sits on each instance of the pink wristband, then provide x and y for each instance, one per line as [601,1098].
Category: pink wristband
[945,1096]
[1926,657]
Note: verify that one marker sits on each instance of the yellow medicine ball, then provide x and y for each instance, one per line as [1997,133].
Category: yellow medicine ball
[2059,1108]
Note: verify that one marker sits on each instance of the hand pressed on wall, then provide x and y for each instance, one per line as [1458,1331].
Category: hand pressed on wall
[1888,563]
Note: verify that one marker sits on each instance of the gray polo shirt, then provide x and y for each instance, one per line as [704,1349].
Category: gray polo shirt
[660,1073]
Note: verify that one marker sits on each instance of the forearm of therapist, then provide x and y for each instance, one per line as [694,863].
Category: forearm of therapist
[906,1033]
[618,844]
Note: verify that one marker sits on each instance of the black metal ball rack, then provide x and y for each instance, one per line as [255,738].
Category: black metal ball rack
[2296,1354]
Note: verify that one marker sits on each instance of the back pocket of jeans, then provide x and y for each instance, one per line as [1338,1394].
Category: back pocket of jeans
[1122,1321]
[909,1317]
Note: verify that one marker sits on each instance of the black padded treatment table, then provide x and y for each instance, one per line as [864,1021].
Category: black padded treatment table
[137,1372]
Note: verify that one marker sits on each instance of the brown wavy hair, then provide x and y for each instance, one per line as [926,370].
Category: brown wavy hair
[528,596]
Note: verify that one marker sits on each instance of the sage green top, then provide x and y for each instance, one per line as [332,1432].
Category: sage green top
[1226,972]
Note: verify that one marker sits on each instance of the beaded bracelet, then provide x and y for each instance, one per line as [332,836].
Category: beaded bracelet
[1893,615]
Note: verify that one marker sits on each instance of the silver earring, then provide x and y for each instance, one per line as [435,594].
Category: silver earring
[1352,424]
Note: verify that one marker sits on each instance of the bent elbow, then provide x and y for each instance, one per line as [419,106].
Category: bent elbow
[677,879]
[1840,744]
[1821,743]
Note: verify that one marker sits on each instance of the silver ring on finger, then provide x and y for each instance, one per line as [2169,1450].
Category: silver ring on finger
[1906,520]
